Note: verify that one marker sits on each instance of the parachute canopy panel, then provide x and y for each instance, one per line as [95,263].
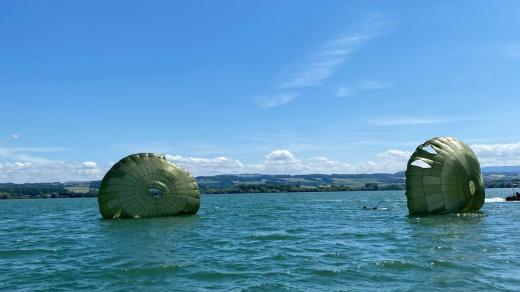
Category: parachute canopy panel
[147,185]
[443,176]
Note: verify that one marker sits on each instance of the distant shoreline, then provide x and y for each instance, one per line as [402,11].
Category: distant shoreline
[251,183]
[78,196]
[248,189]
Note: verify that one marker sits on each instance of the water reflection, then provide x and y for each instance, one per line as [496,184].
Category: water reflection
[156,230]
[448,219]
[449,231]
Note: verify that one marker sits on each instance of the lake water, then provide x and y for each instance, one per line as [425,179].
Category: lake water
[261,242]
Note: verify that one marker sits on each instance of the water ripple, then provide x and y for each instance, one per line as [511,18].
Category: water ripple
[261,242]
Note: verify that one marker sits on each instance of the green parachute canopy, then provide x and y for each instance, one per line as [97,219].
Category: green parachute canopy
[147,185]
[443,176]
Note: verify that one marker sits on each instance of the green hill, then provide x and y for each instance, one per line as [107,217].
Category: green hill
[253,183]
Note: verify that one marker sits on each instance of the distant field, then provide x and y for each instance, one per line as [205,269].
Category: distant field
[79,190]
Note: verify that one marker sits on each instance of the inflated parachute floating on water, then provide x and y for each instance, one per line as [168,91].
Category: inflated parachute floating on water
[147,185]
[443,176]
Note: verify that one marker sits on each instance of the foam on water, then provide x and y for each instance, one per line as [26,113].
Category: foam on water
[495,200]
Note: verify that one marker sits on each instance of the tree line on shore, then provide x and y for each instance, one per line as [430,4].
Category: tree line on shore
[228,185]
[281,188]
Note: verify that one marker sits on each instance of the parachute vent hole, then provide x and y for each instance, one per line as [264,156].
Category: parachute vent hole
[420,163]
[472,188]
[155,192]
[429,149]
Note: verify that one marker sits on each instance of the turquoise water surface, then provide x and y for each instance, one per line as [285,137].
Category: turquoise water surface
[261,242]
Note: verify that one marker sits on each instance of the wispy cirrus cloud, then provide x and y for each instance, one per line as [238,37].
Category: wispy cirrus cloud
[411,121]
[404,121]
[373,84]
[265,102]
[323,64]
[363,85]
[13,151]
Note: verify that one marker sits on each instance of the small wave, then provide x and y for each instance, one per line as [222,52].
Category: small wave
[266,287]
[325,200]
[153,270]
[495,200]
[26,252]
[214,275]
[272,236]
[396,264]
[325,272]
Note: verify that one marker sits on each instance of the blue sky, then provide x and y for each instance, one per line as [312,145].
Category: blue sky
[266,86]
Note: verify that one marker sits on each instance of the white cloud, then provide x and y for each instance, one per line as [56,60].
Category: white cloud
[21,172]
[20,165]
[278,161]
[15,165]
[266,102]
[204,166]
[390,161]
[395,154]
[89,164]
[283,161]
[498,154]
[280,155]
[497,149]
[25,154]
